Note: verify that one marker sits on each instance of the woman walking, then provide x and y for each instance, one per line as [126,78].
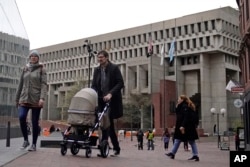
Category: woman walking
[185,127]
[31,94]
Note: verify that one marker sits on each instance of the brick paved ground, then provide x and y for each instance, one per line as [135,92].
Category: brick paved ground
[130,156]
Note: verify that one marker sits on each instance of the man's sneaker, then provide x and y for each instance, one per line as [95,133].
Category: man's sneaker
[116,152]
[25,144]
[32,148]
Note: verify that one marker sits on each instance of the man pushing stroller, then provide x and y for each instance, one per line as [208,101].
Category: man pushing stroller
[108,82]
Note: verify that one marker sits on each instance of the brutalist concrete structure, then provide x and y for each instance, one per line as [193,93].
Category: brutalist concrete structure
[205,59]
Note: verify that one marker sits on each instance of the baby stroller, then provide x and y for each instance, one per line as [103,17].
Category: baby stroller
[84,120]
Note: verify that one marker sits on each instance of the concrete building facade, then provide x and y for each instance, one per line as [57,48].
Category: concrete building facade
[14,49]
[205,60]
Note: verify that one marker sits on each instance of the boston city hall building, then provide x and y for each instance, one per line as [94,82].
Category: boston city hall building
[205,60]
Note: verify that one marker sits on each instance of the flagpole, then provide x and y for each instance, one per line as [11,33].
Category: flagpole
[151,85]
[175,50]
[164,91]
[151,80]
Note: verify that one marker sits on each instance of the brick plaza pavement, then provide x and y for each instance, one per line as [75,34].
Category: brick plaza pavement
[130,156]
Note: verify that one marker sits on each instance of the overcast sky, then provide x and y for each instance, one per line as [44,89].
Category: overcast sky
[50,22]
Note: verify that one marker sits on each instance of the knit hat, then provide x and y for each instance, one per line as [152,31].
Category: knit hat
[34,53]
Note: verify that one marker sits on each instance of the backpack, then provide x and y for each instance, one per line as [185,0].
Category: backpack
[140,134]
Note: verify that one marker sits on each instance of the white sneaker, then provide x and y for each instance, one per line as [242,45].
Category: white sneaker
[25,144]
[32,148]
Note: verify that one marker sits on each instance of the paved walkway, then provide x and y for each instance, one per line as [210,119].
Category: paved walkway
[130,156]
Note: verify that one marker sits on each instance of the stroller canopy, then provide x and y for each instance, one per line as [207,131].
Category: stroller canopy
[84,101]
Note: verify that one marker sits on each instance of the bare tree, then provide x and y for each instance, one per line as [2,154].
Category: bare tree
[136,111]
[77,86]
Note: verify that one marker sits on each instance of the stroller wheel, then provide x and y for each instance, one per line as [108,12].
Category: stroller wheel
[74,148]
[88,152]
[104,148]
[63,149]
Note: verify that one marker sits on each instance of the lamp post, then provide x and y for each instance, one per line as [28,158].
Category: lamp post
[222,112]
[91,54]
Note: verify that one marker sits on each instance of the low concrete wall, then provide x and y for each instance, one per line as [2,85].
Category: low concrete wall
[14,132]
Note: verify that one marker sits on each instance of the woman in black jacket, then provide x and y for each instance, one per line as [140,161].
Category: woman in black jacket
[185,127]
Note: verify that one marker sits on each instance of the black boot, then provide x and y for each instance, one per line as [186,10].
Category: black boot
[171,155]
[195,158]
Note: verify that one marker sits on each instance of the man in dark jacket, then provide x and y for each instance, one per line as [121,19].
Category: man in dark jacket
[108,82]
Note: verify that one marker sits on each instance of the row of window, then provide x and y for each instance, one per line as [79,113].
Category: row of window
[7,96]
[7,70]
[12,47]
[144,38]
[82,61]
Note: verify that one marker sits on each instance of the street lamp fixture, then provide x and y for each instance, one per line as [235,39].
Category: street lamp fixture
[222,112]
[91,54]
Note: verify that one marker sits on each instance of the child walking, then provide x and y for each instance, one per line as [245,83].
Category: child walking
[165,138]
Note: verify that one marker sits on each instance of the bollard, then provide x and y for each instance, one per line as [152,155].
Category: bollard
[8,135]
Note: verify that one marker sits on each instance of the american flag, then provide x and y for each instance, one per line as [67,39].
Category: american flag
[233,84]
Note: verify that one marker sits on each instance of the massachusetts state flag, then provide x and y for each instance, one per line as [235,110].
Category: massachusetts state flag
[171,50]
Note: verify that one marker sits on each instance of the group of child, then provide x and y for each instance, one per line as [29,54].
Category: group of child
[150,136]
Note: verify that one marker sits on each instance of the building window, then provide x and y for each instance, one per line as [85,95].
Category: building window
[173,31]
[213,24]
[181,45]
[195,59]
[135,76]
[206,25]
[144,37]
[199,27]
[208,40]
[201,42]
[194,43]
[186,29]
[183,61]
[179,31]
[147,80]
[188,44]
[161,34]
[172,106]
[155,35]
[189,60]
[167,33]
[192,28]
